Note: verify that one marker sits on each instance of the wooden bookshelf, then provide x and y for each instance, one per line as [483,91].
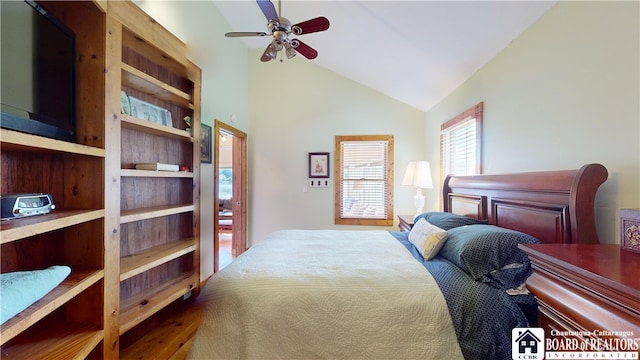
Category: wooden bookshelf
[18,229]
[142,261]
[13,140]
[152,173]
[69,322]
[131,237]
[132,123]
[153,212]
[78,281]
[159,210]
[134,78]
[58,342]
[170,338]
[144,304]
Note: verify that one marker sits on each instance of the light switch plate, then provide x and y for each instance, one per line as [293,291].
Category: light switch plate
[318,183]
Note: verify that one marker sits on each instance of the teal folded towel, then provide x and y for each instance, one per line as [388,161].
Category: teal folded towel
[22,288]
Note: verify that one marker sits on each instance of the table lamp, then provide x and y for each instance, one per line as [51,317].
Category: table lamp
[418,175]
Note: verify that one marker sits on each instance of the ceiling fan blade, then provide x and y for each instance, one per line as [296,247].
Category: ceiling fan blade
[310,26]
[268,10]
[306,50]
[244,33]
[269,53]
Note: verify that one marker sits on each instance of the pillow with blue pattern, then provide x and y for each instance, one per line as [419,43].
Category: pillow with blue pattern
[490,254]
[447,220]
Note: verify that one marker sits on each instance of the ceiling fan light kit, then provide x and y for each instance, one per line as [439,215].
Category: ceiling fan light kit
[281,29]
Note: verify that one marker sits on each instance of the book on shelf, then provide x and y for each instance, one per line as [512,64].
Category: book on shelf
[157,167]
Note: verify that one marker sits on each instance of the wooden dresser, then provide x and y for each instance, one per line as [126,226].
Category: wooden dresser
[588,288]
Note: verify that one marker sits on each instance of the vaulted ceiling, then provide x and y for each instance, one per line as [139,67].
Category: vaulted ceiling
[417,52]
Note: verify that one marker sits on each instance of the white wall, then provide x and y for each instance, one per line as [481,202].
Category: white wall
[297,107]
[563,94]
[224,86]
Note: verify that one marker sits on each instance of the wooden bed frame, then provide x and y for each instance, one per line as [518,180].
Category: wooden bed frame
[553,206]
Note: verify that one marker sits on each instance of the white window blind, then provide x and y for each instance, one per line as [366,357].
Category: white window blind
[461,143]
[458,148]
[364,179]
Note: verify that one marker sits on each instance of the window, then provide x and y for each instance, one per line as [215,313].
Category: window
[364,179]
[225,183]
[460,144]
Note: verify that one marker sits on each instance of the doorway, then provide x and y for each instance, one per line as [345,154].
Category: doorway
[229,194]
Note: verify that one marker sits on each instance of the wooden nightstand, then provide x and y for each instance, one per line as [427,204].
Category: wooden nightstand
[406,222]
[588,288]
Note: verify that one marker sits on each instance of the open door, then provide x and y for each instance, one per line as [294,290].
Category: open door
[230,219]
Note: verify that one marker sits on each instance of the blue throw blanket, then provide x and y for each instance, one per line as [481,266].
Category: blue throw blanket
[22,288]
[482,316]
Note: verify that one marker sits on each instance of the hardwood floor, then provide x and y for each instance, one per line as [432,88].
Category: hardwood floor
[224,251]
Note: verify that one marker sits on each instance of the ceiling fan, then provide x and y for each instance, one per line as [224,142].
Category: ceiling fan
[281,29]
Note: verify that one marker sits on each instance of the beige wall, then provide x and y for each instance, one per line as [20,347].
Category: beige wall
[297,107]
[575,71]
[565,93]
[287,110]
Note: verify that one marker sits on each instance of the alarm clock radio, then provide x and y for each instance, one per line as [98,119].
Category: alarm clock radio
[22,205]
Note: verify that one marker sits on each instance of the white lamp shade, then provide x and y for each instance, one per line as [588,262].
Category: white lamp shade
[418,175]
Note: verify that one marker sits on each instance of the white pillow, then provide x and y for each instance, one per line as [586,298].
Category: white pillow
[427,238]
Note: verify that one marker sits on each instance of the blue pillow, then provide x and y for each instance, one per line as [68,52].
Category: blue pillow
[489,254]
[447,220]
[508,277]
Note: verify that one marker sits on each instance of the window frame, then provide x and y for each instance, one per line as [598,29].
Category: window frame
[338,219]
[474,112]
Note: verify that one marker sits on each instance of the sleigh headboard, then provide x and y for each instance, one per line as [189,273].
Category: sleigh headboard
[553,206]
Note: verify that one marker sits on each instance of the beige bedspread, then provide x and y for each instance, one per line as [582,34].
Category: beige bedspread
[324,294]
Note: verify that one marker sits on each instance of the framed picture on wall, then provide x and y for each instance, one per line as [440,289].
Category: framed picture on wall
[319,165]
[205,144]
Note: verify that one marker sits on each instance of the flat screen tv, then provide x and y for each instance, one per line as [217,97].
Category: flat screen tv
[38,71]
